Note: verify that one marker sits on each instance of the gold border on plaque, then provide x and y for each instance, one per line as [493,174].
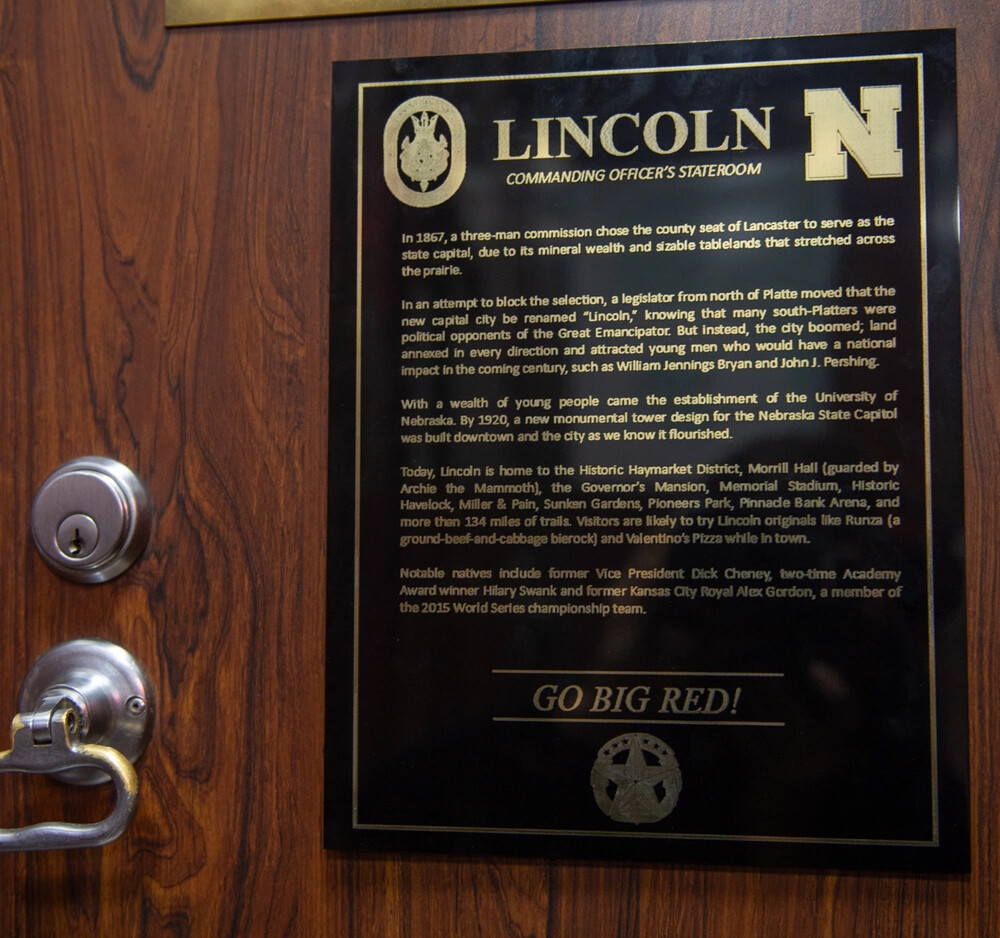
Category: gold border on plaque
[934,840]
[204,12]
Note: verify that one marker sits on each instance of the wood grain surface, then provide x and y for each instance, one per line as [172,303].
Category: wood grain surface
[164,239]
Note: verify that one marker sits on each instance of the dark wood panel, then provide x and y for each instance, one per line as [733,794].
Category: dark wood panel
[164,235]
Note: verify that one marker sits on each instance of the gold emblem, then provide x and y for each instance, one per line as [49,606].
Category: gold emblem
[416,146]
[636,779]
[424,157]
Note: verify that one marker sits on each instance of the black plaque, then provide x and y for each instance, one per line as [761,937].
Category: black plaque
[646,455]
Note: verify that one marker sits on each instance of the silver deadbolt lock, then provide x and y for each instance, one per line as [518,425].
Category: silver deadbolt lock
[91,519]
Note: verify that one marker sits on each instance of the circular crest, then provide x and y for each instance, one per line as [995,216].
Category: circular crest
[636,779]
[424,151]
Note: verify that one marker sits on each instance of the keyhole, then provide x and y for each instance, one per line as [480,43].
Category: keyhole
[77,537]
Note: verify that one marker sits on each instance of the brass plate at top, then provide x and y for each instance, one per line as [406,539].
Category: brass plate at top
[201,12]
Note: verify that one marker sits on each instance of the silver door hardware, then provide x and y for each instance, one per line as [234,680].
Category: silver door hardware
[85,714]
[91,519]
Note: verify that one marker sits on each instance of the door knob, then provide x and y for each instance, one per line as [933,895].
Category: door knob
[85,715]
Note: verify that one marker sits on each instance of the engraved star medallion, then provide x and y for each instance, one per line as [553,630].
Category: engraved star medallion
[636,779]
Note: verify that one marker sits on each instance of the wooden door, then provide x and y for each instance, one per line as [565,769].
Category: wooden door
[164,239]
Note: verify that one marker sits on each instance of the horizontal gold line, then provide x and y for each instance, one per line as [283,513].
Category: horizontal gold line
[205,12]
[657,835]
[646,70]
[632,722]
[640,673]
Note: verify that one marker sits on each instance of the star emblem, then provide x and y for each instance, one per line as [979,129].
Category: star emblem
[636,779]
